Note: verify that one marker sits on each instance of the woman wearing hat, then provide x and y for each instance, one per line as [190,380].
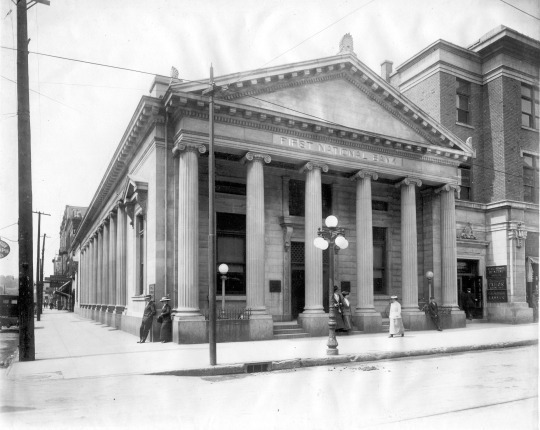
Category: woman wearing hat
[396,323]
[165,334]
[347,315]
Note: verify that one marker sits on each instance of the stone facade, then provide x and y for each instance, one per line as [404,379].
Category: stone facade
[384,168]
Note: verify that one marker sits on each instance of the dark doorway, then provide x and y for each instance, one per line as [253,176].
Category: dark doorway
[298,292]
[468,278]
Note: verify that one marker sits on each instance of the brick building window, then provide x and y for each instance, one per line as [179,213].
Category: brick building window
[463,94]
[529,106]
[465,185]
[530,178]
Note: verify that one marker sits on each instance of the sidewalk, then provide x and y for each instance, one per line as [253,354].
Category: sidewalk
[70,347]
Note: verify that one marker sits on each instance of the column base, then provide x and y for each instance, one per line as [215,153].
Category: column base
[415,320]
[510,313]
[189,329]
[316,324]
[368,321]
[450,317]
[261,327]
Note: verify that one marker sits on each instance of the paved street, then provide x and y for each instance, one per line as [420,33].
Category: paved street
[494,389]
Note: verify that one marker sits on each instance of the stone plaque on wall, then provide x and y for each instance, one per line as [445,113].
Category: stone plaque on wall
[275,286]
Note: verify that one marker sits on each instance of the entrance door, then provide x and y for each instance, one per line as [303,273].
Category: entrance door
[467,277]
[298,292]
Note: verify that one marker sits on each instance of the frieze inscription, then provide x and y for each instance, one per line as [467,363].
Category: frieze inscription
[337,151]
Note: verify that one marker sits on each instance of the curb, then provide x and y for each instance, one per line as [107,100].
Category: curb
[296,363]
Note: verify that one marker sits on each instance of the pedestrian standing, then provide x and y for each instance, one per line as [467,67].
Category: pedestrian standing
[468,303]
[346,309]
[396,323]
[433,312]
[337,303]
[165,333]
[148,317]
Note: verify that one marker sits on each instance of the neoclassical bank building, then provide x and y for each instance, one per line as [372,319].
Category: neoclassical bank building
[293,144]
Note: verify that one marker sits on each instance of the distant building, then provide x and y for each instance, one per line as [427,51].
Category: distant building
[63,262]
[433,167]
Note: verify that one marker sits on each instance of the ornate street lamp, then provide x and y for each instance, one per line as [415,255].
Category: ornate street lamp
[429,276]
[223,269]
[332,236]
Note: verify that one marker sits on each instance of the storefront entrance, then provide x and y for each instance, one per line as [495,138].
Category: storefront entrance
[467,277]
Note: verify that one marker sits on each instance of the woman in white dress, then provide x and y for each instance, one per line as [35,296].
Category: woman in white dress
[396,323]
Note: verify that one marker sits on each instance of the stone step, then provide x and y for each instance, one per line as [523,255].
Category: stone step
[291,336]
[288,330]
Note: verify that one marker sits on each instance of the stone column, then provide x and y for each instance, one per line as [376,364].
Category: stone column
[94,270]
[448,246]
[365,317]
[112,260]
[313,319]
[121,232]
[413,318]
[261,324]
[99,265]
[188,229]
[105,266]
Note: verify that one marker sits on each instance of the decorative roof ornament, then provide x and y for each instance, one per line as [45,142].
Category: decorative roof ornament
[346,45]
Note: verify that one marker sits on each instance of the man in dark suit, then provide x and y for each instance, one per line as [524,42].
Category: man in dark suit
[467,302]
[148,317]
[433,312]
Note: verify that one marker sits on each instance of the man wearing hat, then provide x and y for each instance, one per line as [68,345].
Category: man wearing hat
[148,316]
[467,302]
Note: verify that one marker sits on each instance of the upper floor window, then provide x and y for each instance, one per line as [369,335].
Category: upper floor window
[529,106]
[465,185]
[463,95]
[530,178]
[297,198]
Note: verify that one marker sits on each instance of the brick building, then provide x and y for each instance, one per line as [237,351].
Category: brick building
[403,160]
[489,92]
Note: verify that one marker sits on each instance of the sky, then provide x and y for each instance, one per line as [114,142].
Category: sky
[80,111]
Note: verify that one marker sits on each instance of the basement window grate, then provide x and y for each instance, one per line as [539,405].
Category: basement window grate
[258,367]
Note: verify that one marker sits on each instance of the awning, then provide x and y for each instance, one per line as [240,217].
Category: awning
[62,294]
[63,287]
[530,262]
[533,260]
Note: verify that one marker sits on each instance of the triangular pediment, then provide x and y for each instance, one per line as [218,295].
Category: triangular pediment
[337,101]
[340,93]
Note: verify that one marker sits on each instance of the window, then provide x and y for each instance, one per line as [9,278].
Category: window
[297,196]
[139,226]
[465,185]
[230,188]
[463,94]
[231,250]
[529,106]
[379,260]
[530,178]
[378,205]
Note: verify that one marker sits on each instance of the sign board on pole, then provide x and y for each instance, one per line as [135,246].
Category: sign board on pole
[4,249]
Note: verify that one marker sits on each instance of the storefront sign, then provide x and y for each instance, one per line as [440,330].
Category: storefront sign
[337,151]
[496,290]
[496,271]
[4,249]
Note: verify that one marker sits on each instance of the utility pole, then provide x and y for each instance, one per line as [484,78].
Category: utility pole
[39,285]
[212,266]
[27,350]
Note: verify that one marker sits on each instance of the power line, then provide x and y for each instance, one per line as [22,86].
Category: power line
[521,10]
[15,223]
[99,64]
[37,92]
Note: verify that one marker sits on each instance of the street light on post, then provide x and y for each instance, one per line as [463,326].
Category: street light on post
[331,236]
[429,276]
[223,269]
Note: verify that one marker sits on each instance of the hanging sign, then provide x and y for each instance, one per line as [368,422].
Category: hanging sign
[4,249]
